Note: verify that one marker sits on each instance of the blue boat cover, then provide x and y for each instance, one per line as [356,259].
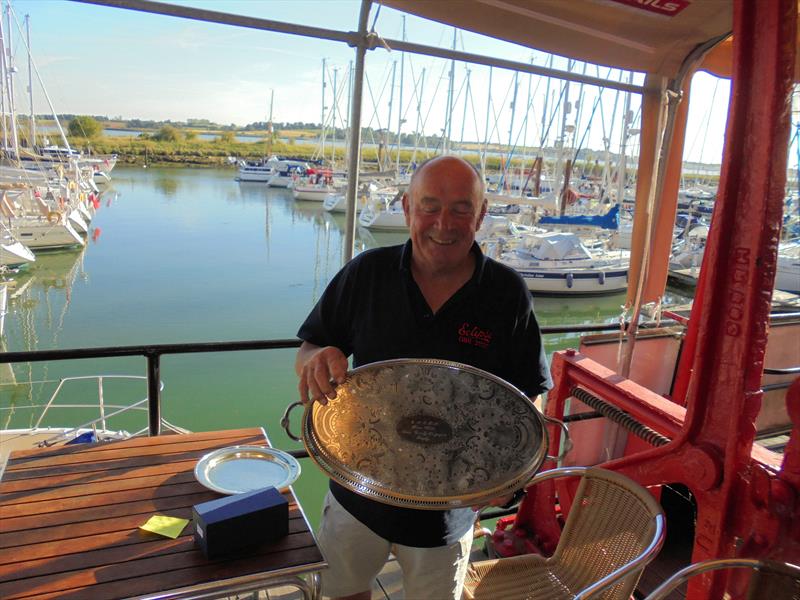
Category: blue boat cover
[610,220]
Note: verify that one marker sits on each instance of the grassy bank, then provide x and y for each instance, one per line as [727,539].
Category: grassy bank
[214,153]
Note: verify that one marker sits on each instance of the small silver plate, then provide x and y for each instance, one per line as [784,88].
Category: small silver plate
[239,469]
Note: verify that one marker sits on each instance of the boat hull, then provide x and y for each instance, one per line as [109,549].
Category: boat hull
[575,282]
[311,194]
[382,220]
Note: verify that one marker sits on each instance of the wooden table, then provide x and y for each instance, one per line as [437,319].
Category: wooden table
[70,517]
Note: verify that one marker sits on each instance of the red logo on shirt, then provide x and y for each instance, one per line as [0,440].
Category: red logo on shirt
[474,335]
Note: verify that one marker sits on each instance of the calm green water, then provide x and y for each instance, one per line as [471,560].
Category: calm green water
[183,255]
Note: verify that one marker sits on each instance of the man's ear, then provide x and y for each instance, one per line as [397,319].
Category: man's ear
[407,208]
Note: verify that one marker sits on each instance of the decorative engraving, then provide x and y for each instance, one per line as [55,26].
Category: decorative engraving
[426,434]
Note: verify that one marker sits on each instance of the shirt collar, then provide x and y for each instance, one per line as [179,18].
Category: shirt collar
[480,260]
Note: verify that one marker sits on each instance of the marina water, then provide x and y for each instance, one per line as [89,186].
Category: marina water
[191,255]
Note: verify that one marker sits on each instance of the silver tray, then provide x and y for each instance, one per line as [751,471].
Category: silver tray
[427,434]
[239,469]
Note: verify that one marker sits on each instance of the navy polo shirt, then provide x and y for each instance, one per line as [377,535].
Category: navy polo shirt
[374,310]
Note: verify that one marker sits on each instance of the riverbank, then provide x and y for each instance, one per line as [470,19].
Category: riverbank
[195,152]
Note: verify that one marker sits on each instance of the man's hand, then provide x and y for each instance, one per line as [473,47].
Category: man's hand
[319,369]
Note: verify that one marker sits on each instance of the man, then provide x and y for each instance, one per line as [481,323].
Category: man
[425,299]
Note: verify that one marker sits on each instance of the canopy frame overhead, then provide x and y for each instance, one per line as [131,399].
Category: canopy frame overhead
[652,37]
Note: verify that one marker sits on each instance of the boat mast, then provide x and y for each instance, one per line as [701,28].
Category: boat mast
[419,115]
[30,80]
[400,119]
[41,84]
[270,126]
[508,169]
[467,93]
[322,120]
[449,116]
[348,134]
[385,132]
[10,83]
[333,118]
[486,128]
[622,174]
[3,89]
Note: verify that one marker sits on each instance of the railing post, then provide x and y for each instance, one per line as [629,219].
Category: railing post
[154,392]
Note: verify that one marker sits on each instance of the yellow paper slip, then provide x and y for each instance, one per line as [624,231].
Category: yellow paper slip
[170,527]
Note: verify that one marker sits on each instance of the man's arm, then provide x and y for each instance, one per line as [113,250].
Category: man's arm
[318,368]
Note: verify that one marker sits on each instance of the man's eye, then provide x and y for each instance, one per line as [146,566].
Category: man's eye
[463,210]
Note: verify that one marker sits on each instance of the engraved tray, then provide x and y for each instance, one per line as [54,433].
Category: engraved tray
[428,434]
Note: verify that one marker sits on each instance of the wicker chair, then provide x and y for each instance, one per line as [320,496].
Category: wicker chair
[773,580]
[614,528]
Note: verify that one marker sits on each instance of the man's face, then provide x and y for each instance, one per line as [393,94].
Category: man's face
[444,208]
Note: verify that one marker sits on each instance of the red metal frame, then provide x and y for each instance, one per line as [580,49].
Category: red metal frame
[746,496]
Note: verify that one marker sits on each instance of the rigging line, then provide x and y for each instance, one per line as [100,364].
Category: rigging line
[545,111]
[455,102]
[430,105]
[586,129]
[531,103]
[513,148]
[375,103]
[496,115]
[474,112]
[708,120]
[554,113]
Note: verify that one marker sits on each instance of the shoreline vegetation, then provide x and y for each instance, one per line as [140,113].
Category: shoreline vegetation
[167,144]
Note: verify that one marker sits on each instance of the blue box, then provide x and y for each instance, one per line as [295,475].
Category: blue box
[240,521]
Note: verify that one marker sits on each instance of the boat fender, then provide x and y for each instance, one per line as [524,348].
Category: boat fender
[601,277]
[569,280]
[53,216]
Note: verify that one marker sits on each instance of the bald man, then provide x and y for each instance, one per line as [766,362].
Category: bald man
[436,296]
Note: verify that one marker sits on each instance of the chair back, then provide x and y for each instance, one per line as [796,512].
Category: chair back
[770,579]
[612,521]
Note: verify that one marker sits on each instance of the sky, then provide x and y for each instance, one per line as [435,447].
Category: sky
[103,61]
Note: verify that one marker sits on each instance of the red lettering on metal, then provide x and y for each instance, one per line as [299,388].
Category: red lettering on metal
[669,8]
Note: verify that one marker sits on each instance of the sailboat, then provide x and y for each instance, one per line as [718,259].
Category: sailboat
[384,211]
[563,264]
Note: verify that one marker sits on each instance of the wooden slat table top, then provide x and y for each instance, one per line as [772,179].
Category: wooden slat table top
[70,517]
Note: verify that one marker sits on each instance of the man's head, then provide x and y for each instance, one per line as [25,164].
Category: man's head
[444,207]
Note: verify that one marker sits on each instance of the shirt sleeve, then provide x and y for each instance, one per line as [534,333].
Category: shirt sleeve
[328,323]
[531,371]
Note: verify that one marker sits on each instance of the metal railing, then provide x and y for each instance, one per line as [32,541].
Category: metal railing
[153,353]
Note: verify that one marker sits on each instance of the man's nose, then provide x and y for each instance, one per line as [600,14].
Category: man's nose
[444,219]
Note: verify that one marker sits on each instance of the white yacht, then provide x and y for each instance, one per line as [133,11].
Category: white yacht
[335,203]
[787,277]
[13,253]
[384,211]
[260,170]
[562,264]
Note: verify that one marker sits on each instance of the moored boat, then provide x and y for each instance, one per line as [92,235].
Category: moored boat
[560,263]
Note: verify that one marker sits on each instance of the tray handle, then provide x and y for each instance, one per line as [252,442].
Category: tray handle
[286,424]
